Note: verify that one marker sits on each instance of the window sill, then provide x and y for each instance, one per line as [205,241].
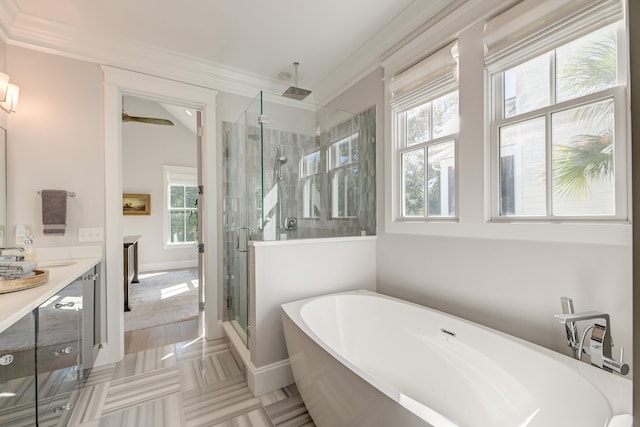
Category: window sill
[604,233]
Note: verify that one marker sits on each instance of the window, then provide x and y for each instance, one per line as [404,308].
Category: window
[182,205]
[559,132]
[309,175]
[424,111]
[342,165]
[427,138]
[183,214]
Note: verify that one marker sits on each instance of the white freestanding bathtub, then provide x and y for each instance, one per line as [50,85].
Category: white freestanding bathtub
[365,359]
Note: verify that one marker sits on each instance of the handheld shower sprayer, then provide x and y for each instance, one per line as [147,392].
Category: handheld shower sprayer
[281,159]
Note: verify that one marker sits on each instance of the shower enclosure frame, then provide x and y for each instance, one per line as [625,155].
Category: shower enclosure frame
[267,182]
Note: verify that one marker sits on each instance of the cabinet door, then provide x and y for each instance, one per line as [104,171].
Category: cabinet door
[58,343]
[17,373]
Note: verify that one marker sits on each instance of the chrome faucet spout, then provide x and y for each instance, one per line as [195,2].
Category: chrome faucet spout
[600,343]
[577,317]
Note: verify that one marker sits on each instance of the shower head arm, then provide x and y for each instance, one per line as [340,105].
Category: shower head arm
[295,73]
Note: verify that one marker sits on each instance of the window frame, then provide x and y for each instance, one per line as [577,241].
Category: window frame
[182,177]
[617,93]
[333,170]
[307,180]
[399,108]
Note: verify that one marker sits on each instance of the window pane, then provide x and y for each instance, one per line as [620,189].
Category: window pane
[582,162]
[418,124]
[351,192]
[311,198]
[192,226]
[587,65]
[176,197]
[441,183]
[355,148]
[413,183]
[344,188]
[337,194]
[445,115]
[310,164]
[526,86]
[177,227]
[191,197]
[344,152]
[522,168]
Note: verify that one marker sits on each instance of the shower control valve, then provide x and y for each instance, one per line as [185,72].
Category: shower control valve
[291,223]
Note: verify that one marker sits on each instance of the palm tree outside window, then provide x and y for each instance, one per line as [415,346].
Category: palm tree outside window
[556,130]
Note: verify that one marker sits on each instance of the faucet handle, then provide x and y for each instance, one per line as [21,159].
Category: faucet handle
[611,364]
[615,366]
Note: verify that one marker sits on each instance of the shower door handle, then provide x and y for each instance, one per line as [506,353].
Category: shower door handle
[244,235]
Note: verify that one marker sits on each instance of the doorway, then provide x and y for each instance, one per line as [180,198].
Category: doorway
[160,159]
[117,83]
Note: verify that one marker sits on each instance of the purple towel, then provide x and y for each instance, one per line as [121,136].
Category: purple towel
[54,212]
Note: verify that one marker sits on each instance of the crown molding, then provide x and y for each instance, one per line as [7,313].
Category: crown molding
[367,58]
[21,29]
[24,30]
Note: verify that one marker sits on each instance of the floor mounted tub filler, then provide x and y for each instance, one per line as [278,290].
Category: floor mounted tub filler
[365,359]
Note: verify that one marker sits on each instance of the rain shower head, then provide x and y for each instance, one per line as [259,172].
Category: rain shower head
[295,92]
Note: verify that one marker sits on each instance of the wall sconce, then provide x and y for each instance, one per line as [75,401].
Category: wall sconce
[8,94]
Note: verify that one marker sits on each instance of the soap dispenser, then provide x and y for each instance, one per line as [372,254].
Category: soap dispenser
[29,251]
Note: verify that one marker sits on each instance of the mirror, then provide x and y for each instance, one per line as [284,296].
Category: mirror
[3,187]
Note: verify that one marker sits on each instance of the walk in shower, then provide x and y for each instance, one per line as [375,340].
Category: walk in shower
[293,170]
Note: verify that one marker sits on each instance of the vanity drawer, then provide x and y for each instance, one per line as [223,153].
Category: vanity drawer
[58,338]
[56,395]
[58,356]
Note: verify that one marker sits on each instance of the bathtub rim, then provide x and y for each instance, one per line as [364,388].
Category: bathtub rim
[608,384]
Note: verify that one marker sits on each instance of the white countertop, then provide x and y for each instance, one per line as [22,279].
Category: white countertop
[64,266]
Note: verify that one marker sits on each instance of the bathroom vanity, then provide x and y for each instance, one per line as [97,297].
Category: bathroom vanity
[48,338]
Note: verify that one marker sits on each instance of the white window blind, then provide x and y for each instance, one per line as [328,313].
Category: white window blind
[439,68]
[533,27]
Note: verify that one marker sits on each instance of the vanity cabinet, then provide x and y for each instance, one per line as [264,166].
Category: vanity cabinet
[58,352]
[18,373]
[45,354]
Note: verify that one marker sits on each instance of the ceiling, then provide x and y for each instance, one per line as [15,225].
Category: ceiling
[244,45]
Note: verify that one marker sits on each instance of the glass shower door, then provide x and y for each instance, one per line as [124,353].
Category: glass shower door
[235,253]
[243,182]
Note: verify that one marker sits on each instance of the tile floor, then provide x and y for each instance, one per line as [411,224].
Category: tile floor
[169,378]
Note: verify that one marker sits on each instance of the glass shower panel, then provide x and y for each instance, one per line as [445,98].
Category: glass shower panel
[309,154]
[294,170]
[242,176]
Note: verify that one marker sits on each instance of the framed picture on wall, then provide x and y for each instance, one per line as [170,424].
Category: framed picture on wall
[136,204]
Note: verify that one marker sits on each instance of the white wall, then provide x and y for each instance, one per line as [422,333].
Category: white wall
[510,285]
[145,149]
[292,270]
[55,141]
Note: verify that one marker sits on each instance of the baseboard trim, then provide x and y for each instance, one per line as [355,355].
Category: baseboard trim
[169,265]
[265,378]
